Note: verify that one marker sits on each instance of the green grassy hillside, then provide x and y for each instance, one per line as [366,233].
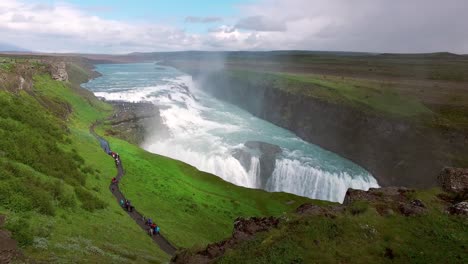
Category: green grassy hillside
[193,208]
[366,232]
[54,180]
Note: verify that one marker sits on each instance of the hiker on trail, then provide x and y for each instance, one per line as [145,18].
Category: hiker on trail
[154,229]
[129,206]
[149,222]
[114,181]
[122,203]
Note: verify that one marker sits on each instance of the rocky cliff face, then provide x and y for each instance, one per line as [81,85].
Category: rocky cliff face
[134,121]
[59,72]
[396,151]
[266,154]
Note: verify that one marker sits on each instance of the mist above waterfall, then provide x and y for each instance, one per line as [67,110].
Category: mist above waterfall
[209,134]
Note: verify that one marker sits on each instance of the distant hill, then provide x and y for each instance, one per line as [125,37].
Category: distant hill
[5,47]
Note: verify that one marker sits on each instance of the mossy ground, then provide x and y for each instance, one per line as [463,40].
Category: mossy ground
[361,236]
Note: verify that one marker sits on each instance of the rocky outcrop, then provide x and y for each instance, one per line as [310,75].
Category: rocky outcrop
[134,121]
[244,229]
[454,180]
[388,200]
[266,153]
[59,72]
[459,209]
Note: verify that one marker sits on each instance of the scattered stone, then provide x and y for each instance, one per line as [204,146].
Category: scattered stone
[454,180]
[459,208]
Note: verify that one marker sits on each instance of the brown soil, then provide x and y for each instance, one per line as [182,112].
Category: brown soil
[8,247]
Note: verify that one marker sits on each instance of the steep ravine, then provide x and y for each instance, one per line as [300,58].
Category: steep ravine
[396,151]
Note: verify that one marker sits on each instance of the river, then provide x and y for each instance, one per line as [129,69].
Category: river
[211,134]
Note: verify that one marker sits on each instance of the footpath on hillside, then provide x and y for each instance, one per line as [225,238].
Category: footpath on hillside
[159,239]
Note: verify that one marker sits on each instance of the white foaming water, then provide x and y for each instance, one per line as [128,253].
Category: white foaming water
[205,133]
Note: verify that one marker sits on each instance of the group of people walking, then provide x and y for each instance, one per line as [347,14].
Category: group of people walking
[154,229]
[116,158]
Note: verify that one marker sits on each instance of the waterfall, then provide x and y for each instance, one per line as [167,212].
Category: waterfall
[205,133]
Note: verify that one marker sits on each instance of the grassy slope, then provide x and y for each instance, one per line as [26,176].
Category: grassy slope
[192,207]
[65,231]
[365,237]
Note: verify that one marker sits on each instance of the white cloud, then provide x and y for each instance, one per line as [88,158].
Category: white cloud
[365,25]
[64,28]
[358,25]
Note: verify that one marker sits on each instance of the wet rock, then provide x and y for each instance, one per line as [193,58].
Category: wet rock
[268,153]
[459,208]
[454,180]
[244,157]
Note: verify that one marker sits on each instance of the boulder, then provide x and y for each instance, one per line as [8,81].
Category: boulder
[459,208]
[454,180]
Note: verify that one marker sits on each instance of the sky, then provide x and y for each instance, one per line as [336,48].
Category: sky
[113,26]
